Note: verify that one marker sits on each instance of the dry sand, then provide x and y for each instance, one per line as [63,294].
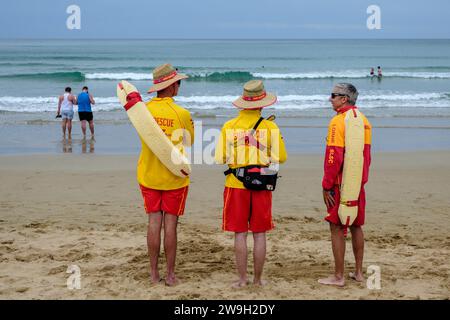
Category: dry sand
[59,210]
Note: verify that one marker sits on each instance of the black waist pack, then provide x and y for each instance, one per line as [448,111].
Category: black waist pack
[256,177]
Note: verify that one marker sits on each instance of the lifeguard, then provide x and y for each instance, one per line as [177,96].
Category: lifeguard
[346,171]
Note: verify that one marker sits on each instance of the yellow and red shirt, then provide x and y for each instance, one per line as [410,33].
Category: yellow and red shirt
[335,148]
[237,147]
[151,173]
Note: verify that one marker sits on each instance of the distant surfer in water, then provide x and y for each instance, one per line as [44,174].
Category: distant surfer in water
[343,99]
[163,192]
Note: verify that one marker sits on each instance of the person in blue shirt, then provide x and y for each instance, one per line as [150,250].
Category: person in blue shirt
[85,100]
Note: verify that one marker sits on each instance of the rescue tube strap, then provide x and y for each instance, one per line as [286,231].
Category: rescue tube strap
[350,203]
[132,99]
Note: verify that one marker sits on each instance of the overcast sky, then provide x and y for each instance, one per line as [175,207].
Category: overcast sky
[225,19]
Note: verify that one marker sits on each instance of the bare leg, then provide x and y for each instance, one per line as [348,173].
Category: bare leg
[154,243]
[91,127]
[63,126]
[170,246]
[358,251]
[240,249]
[69,128]
[338,245]
[259,256]
[83,128]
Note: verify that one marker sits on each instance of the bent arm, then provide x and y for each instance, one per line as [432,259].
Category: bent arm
[59,104]
[74,100]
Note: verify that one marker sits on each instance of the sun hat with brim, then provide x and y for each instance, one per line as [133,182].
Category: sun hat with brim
[164,76]
[255,96]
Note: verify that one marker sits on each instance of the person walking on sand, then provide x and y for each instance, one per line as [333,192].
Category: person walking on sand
[65,111]
[164,193]
[249,140]
[343,99]
[85,100]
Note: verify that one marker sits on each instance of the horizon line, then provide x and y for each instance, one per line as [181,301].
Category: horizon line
[224,39]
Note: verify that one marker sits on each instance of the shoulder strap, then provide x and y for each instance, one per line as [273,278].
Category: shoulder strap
[256,125]
[227,172]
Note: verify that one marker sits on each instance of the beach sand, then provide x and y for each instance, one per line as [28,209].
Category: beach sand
[60,210]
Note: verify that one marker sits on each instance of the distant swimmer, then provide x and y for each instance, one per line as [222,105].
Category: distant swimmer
[380,74]
[372,72]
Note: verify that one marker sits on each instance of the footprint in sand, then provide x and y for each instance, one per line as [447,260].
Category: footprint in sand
[22,289]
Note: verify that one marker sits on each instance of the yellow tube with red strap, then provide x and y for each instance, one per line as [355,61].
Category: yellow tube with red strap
[353,167]
[150,132]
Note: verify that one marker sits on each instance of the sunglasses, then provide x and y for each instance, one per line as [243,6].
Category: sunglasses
[334,95]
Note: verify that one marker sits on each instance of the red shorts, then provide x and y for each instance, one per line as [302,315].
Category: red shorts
[333,215]
[247,210]
[168,201]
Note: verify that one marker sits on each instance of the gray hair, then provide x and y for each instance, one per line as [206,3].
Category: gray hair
[349,90]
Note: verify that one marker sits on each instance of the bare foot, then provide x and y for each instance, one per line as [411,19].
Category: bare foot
[171,281]
[332,281]
[259,283]
[156,278]
[240,284]
[356,276]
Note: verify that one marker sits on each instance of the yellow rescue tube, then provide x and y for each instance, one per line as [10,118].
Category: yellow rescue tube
[353,167]
[150,132]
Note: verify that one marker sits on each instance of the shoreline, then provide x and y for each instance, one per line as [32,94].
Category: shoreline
[302,136]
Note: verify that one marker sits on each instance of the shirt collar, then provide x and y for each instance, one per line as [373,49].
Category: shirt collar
[166,99]
[346,108]
[252,113]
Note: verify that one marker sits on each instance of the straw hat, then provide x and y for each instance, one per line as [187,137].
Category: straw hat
[255,96]
[164,76]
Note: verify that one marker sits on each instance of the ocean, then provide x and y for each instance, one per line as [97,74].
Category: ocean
[413,94]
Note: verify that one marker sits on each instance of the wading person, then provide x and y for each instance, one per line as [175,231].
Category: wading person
[346,171]
[65,111]
[85,100]
[248,144]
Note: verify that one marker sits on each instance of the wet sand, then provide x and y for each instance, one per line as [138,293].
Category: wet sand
[60,210]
